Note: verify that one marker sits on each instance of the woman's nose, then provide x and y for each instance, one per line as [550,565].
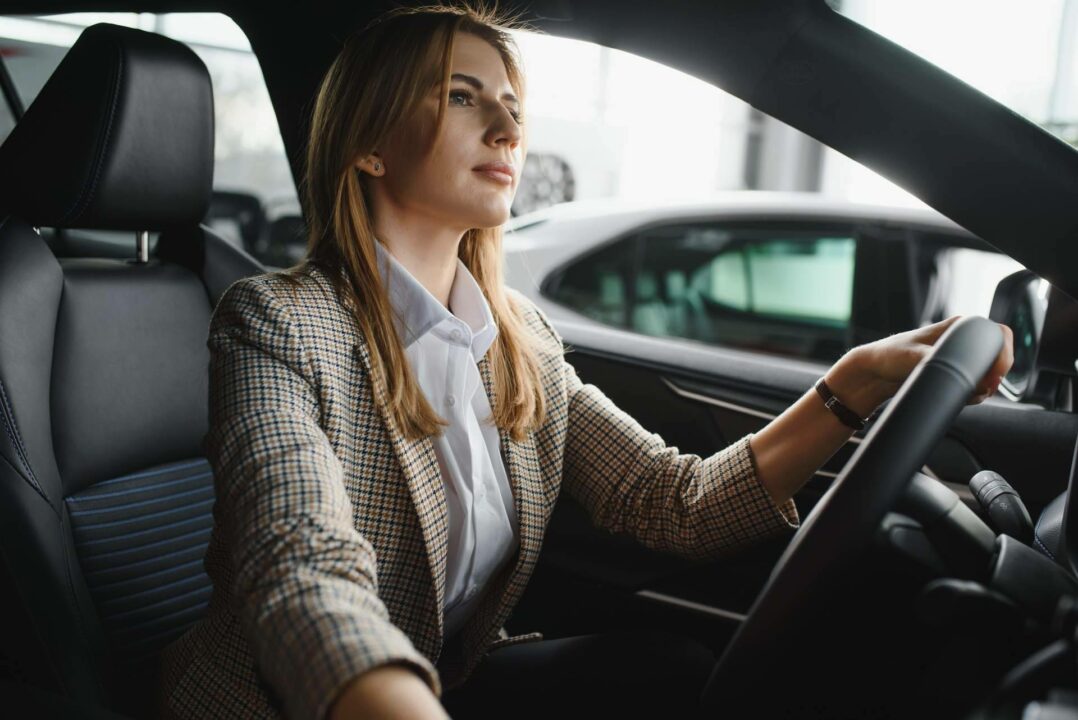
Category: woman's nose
[504,127]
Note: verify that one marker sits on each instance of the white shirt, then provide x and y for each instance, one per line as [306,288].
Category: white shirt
[443,348]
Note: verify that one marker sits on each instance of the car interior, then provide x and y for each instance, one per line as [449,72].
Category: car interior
[935,573]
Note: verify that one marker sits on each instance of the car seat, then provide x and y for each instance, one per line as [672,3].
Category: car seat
[105,496]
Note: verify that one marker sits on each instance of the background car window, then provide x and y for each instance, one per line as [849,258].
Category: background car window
[807,279]
[598,285]
[784,292]
[254,205]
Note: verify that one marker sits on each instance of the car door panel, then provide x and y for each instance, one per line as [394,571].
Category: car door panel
[700,399]
[613,580]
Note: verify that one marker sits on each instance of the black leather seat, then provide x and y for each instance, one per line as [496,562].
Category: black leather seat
[105,496]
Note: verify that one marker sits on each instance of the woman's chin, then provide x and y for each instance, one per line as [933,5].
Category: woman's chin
[491,217]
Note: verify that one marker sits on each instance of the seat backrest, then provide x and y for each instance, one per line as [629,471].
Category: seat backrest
[105,496]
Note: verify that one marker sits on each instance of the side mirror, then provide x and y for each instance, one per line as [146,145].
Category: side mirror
[1043,319]
[1020,302]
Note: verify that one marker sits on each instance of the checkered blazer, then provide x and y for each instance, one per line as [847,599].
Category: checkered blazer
[328,553]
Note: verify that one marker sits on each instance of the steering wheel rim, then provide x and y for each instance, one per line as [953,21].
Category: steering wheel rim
[842,523]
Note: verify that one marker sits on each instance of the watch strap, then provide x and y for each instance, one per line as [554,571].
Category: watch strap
[848,417]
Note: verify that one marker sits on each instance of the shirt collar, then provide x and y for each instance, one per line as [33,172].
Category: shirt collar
[416,312]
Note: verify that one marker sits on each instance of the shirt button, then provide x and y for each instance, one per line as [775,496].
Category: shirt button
[455,334]
[451,400]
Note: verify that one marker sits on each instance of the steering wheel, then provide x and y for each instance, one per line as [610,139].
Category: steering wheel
[843,522]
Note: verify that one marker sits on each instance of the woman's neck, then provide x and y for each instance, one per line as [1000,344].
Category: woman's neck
[428,253]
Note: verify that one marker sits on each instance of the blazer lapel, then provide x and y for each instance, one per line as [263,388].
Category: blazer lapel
[419,466]
[525,478]
[522,466]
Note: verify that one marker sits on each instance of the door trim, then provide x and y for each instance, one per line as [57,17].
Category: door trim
[726,405]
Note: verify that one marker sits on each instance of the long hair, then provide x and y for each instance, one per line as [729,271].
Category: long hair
[376,83]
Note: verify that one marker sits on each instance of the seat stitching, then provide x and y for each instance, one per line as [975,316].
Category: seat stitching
[11,418]
[1043,547]
[16,441]
[80,625]
[83,201]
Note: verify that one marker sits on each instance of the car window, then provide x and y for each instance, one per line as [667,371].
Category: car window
[960,280]
[787,292]
[598,285]
[592,138]
[805,279]
[254,205]
[1024,55]
[592,133]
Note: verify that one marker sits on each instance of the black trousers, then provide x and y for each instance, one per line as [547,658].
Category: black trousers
[618,675]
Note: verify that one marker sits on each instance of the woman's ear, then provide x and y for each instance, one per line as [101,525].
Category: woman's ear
[372,165]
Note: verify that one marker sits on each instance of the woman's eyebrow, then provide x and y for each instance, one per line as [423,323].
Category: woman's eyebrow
[475,83]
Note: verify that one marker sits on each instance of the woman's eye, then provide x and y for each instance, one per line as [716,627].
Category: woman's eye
[517,116]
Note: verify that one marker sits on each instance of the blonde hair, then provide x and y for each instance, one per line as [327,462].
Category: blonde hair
[376,83]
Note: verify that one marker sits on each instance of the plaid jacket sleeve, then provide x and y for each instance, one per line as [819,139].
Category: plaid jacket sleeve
[304,580]
[629,481]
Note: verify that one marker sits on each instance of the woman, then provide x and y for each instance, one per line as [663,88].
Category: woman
[391,426]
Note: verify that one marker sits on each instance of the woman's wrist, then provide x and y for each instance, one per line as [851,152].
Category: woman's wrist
[854,382]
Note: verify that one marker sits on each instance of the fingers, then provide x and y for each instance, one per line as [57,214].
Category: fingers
[931,333]
[987,387]
[1006,355]
[906,350]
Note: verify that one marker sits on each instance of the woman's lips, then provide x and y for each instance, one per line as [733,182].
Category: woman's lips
[503,178]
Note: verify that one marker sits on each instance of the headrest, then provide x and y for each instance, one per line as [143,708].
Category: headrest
[120,137]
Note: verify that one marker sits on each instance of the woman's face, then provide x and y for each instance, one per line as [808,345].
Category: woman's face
[479,128]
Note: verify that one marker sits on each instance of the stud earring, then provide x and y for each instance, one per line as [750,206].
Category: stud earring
[377,167]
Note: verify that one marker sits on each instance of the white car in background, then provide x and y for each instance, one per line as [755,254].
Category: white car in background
[790,274]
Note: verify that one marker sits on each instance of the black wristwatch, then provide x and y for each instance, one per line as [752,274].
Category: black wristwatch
[848,417]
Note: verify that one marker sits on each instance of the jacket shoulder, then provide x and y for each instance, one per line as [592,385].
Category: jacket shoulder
[297,313]
[295,296]
[534,318]
[302,281]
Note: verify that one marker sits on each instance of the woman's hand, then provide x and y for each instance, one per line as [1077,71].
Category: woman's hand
[885,364]
[799,441]
[389,692]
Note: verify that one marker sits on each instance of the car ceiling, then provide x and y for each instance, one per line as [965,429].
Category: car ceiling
[972,159]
